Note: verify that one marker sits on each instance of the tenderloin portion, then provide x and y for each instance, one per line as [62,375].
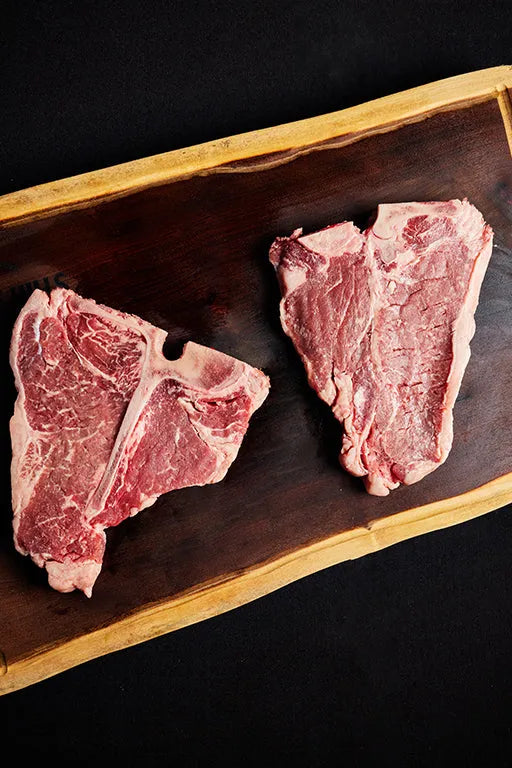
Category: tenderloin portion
[104,424]
[382,321]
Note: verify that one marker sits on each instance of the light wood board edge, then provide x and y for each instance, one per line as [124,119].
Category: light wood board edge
[212,599]
[353,123]
[505,105]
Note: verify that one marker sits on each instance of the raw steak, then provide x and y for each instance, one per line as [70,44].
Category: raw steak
[104,424]
[382,321]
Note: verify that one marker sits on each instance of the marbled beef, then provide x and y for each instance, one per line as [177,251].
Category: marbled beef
[382,321]
[104,424]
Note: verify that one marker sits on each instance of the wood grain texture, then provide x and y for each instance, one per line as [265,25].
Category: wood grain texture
[190,254]
[346,126]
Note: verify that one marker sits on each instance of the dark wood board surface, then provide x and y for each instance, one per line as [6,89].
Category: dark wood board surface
[191,256]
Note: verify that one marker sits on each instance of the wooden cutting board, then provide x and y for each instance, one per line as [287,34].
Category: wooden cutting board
[181,239]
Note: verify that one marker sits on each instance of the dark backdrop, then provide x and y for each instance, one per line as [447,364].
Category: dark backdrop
[402,658]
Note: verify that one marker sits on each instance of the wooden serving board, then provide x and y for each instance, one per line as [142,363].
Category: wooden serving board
[182,239]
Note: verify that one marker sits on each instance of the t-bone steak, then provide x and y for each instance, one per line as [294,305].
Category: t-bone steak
[104,424]
[382,321]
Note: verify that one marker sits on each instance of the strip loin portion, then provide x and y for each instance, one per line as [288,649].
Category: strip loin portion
[382,321]
[104,424]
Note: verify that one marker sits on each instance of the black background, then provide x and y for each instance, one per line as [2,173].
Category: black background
[401,658]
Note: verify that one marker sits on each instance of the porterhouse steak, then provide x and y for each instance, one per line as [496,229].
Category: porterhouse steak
[104,424]
[382,321]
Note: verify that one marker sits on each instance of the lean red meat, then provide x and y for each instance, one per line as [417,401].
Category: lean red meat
[104,424]
[382,321]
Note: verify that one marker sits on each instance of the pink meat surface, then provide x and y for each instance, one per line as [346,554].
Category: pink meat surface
[382,321]
[104,424]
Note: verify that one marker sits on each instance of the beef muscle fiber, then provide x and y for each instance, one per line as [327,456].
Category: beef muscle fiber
[382,321]
[104,424]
